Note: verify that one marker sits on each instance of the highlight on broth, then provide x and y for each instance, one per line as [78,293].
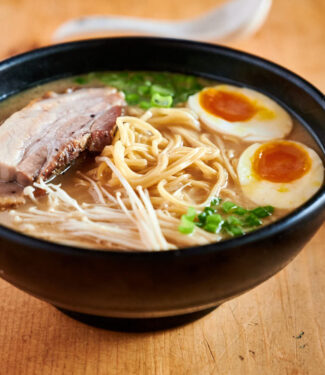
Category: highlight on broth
[149,161]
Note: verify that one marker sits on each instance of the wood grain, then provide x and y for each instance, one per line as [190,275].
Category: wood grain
[277,328]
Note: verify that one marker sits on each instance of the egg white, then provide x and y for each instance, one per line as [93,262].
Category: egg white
[280,195]
[272,122]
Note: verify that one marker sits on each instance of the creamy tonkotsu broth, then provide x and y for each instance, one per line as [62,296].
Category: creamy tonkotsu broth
[189,162]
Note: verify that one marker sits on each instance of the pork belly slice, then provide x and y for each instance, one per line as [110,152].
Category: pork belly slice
[48,134]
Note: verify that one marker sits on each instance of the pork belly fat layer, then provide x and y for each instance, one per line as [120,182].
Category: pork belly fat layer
[48,134]
[11,195]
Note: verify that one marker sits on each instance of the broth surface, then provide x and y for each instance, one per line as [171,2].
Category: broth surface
[70,180]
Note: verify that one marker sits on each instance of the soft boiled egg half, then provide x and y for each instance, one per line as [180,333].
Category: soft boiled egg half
[241,112]
[283,174]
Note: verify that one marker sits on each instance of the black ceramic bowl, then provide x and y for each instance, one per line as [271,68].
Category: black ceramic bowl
[160,284]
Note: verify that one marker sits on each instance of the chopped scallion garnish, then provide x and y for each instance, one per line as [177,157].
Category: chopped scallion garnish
[262,212]
[252,221]
[239,211]
[215,202]
[132,99]
[209,211]
[233,230]
[202,217]
[143,90]
[214,219]
[212,228]
[158,89]
[81,80]
[228,206]
[144,105]
[187,226]
[158,100]
[227,217]
[172,88]
[191,214]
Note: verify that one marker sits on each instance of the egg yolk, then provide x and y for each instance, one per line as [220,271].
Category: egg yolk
[281,162]
[231,106]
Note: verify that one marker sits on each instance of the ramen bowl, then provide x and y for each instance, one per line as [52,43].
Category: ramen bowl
[176,285]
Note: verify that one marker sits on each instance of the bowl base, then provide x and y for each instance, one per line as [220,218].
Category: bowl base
[137,324]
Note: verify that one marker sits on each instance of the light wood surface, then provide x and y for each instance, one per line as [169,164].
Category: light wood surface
[277,328]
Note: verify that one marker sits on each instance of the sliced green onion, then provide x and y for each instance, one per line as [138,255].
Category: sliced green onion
[263,212]
[212,228]
[158,100]
[160,77]
[234,230]
[165,91]
[143,90]
[186,226]
[144,105]
[123,74]
[233,220]
[132,98]
[137,78]
[118,83]
[269,209]
[190,81]
[182,97]
[214,219]
[215,201]
[191,214]
[239,211]
[81,80]
[179,78]
[252,221]
[228,206]
[209,211]
[110,76]
[202,217]
[147,84]
[213,223]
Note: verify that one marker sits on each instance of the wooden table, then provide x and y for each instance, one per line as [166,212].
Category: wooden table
[277,328]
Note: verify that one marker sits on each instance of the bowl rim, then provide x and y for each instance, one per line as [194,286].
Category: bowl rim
[264,233]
